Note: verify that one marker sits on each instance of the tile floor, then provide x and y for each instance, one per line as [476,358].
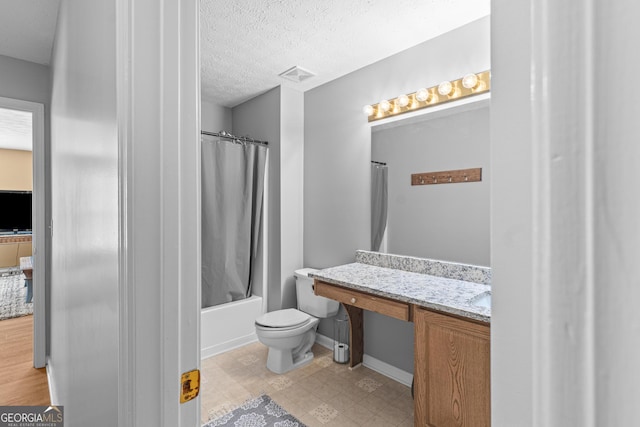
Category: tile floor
[323,393]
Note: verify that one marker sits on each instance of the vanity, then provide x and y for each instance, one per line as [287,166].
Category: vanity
[449,305]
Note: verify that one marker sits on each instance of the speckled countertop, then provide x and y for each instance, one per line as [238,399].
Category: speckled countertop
[438,293]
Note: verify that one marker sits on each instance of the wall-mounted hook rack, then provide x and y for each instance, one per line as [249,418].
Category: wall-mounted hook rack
[447,177]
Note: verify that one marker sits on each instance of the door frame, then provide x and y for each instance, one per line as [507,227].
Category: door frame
[39,224]
[158,107]
[38,221]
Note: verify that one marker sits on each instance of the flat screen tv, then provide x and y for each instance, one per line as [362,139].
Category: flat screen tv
[15,211]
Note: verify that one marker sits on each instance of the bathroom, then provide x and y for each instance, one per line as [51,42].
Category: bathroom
[308,182]
[563,209]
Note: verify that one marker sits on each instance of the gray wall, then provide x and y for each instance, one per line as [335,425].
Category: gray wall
[447,222]
[214,118]
[277,117]
[29,81]
[84,159]
[259,118]
[24,80]
[338,151]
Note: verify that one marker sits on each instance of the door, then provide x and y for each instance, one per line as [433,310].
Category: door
[452,381]
[38,221]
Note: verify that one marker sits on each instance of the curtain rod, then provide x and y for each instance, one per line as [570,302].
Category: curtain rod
[223,134]
[378,163]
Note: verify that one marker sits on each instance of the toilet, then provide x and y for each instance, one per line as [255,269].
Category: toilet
[290,333]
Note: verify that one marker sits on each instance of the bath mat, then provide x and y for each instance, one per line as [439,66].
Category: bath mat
[12,297]
[261,411]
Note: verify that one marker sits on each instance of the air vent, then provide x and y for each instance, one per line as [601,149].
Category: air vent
[296,74]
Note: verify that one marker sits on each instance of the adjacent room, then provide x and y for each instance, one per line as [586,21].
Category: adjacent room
[20,381]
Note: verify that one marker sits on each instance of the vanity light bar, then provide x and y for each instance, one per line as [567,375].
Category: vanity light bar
[469,85]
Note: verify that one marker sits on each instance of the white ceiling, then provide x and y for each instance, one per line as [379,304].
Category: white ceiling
[245,44]
[15,130]
[27,28]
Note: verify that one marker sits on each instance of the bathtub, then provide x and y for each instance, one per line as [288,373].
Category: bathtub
[228,326]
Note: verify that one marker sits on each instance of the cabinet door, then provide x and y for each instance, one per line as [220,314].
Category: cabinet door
[452,381]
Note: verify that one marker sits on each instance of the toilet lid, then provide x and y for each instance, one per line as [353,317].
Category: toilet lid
[283,318]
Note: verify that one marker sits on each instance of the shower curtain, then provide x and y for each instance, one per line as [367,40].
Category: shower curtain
[379,177]
[232,202]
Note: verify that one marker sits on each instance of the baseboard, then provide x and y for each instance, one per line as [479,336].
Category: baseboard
[374,364]
[324,341]
[228,345]
[397,374]
[53,398]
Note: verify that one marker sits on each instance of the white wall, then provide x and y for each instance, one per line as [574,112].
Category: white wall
[565,236]
[126,177]
[84,278]
[291,190]
[214,118]
[613,156]
[511,215]
[338,152]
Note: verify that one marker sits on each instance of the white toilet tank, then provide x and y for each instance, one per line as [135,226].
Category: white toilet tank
[308,301]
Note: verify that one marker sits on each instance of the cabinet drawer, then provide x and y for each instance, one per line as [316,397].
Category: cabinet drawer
[369,302]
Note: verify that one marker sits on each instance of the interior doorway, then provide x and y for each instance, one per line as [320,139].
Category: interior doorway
[27,119]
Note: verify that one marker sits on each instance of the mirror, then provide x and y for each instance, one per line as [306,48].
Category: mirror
[448,221]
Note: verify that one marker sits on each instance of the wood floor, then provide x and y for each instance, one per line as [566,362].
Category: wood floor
[20,383]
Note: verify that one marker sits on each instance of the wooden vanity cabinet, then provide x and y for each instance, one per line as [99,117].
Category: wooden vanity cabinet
[451,372]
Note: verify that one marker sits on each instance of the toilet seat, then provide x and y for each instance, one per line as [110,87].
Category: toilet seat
[283,319]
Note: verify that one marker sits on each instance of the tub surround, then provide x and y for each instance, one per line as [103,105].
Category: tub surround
[406,279]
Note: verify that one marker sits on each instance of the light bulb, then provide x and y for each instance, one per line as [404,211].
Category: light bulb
[470,81]
[384,105]
[368,110]
[402,101]
[422,94]
[445,88]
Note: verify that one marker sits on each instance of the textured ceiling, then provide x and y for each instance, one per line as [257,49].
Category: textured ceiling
[15,129]
[245,44]
[27,28]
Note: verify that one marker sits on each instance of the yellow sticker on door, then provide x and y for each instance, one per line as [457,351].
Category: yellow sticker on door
[190,385]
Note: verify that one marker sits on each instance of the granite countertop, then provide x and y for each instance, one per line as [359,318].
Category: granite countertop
[437,293]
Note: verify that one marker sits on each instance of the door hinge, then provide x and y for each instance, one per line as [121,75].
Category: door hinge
[190,385]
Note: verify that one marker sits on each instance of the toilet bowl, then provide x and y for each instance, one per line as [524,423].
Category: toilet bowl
[290,333]
[289,344]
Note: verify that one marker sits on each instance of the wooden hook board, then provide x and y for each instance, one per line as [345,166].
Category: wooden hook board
[447,177]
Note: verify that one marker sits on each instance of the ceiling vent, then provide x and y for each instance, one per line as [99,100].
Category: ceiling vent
[296,74]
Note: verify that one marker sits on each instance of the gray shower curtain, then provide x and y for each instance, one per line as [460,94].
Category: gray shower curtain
[232,203]
[379,195]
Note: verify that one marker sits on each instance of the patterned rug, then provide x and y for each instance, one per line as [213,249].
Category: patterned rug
[261,411]
[12,296]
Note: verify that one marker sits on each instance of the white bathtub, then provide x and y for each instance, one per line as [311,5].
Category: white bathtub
[228,326]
